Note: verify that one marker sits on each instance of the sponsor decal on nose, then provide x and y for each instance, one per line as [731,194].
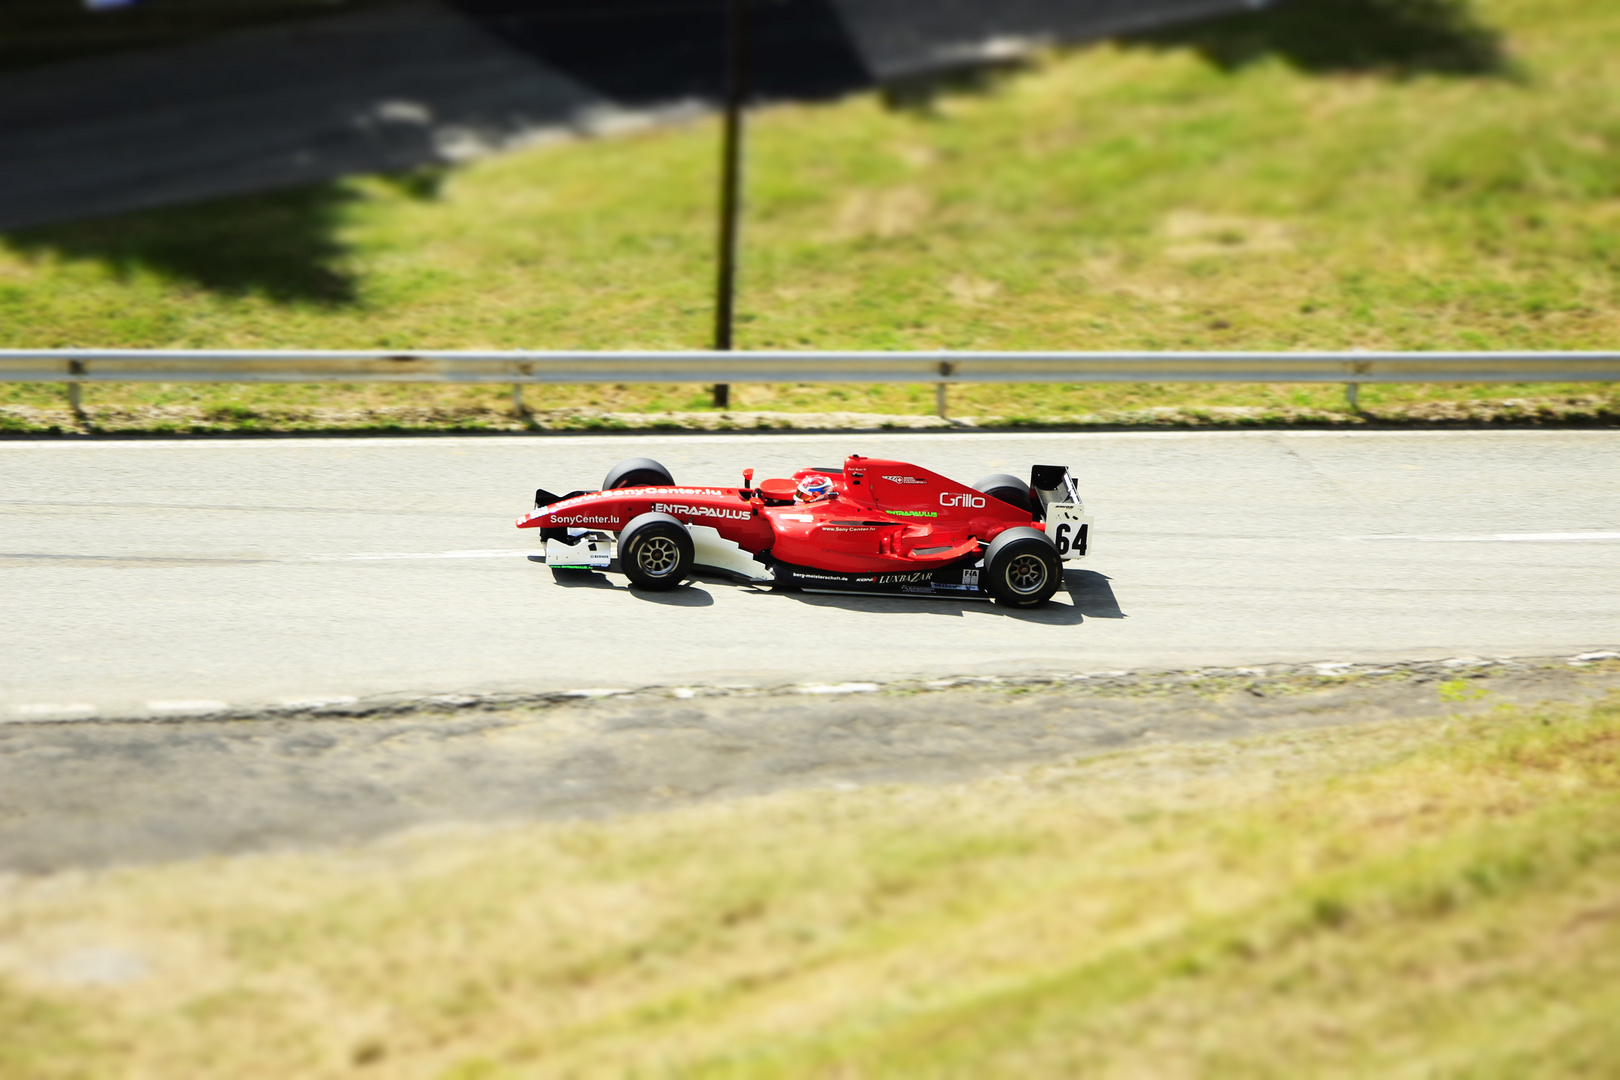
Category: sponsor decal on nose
[701,511]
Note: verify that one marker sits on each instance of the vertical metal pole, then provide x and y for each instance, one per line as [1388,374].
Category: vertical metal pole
[939,399]
[517,398]
[75,392]
[1352,396]
[730,182]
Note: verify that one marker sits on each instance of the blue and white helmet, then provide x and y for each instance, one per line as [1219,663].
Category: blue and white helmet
[815,488]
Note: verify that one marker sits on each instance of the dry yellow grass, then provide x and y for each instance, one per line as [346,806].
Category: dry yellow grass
[1419,898]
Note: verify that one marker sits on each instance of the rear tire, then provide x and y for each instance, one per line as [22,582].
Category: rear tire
[1022,568]
[637,472]
[1009,489]
[655,551]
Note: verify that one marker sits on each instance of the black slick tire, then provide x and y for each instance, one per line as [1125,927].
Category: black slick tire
[637,472]
[655,551]
[1009,489]
[1021,568]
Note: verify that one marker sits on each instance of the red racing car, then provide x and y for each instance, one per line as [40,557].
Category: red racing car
[873,526]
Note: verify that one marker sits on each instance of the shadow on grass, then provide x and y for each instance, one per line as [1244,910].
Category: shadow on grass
[921,93]
[281,245]
[1401,38]
[286,246]
[47,32]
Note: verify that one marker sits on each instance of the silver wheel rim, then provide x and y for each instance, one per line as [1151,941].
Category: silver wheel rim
[658,556]
[1026,574]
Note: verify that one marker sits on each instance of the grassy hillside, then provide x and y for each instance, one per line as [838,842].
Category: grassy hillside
[1339,174]
[1424,898]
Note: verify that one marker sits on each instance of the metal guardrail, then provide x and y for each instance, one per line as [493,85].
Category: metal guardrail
[527,368]
[76,367]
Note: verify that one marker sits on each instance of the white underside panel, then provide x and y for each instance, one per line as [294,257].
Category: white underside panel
[716,552]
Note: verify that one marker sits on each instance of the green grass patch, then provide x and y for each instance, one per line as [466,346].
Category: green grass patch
[1439,896]
[1403,174]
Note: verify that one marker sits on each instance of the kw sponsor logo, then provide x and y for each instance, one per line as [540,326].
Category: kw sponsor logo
[974,502]
[904,480]
[701,511]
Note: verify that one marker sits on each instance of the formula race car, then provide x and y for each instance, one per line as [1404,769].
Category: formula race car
[873,526]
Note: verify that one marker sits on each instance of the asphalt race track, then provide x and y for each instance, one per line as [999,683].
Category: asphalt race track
[172,578]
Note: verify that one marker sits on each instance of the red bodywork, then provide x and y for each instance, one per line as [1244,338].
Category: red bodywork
[883,516]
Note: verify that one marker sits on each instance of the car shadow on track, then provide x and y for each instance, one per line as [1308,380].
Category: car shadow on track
[1090,596]
[682,596]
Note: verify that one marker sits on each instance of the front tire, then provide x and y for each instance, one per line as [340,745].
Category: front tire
[637,472]
[655,551]
[1022,568]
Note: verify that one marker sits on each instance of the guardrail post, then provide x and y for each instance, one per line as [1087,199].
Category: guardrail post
[1352,390]
[730,182]
[946,370]
[517,398]
[75,395]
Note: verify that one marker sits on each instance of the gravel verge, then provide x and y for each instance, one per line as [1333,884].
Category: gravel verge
[21,420]
[105,792]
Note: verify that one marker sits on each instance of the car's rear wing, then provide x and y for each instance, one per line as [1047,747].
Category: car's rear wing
[1058,504]
[1052,484]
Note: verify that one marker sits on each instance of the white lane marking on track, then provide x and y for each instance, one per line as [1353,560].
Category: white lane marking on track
[318,702]
[1497,538]
[49,709]
[840,688]
[185,706]
[361,556]
[342,556]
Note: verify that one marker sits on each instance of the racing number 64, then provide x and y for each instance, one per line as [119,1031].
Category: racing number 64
[1078,542]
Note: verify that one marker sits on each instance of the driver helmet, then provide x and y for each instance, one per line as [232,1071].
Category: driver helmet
[815,488]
